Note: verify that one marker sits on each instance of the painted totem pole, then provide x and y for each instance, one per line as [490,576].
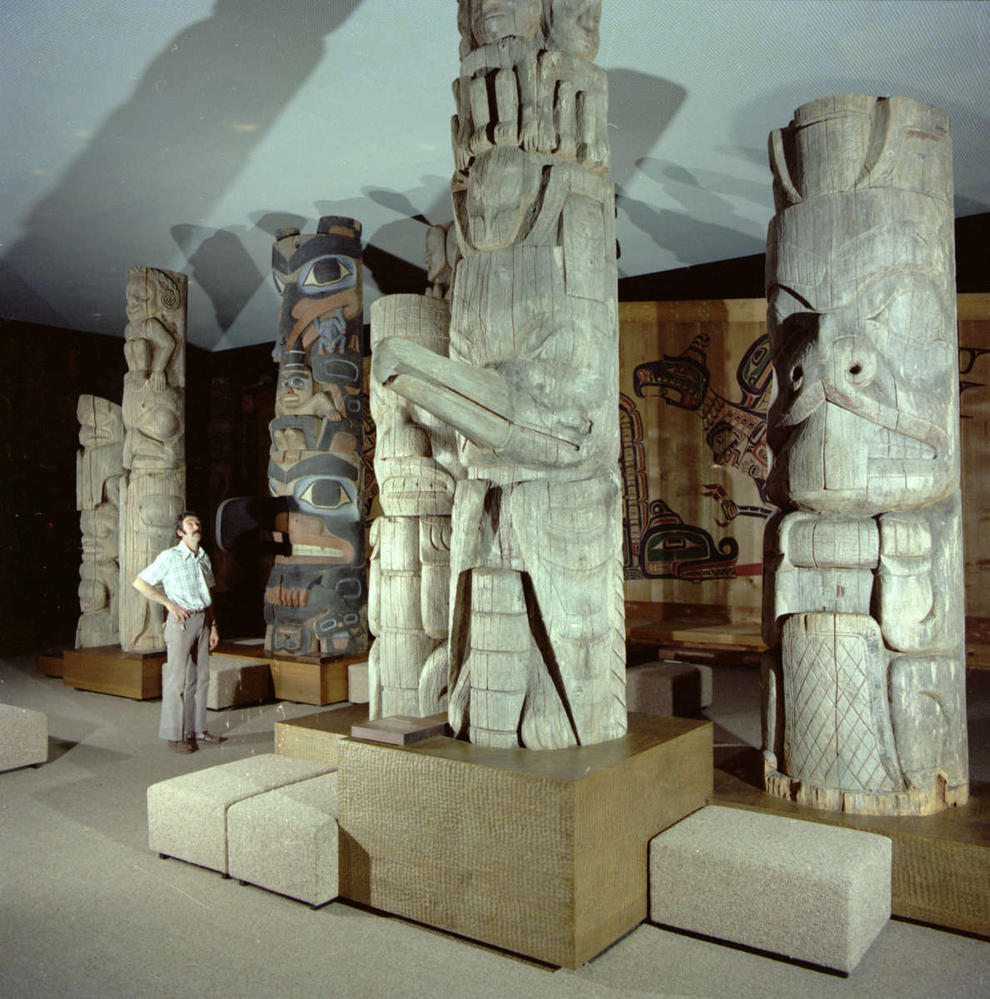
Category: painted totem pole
[154,487]
[537,654]
[315,601]
[99,467]
[865,709]
[416,468]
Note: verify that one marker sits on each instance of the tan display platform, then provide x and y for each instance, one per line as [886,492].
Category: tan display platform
[107,669]
[317,737]
[940,869]
[306,679]
[49,665]
[541,853]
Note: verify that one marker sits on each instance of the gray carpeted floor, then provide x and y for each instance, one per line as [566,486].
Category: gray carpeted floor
[88,911]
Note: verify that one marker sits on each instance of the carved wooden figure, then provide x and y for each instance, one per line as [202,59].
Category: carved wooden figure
[865,710]
[530,385]
[316,601]
[154,486]
[416,467]
[99,467]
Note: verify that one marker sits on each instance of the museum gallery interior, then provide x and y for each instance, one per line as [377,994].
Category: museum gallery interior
[495,499]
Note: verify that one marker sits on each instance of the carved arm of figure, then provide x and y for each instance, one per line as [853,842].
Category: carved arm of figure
[483,405]
[918,610]
[155,332]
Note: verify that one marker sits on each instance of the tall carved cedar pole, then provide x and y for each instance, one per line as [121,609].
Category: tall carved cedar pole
[99,467]
[154,487]
[865,710]
[316,601]
[416,467]
[536,636]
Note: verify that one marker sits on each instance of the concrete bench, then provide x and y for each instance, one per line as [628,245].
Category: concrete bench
[187,815]
[668,688]
[236,681]
[806,890]
[286,840]
[23,737]
[357,683]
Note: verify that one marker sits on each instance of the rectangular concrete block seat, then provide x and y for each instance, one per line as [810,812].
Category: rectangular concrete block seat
[665,688]
[23,737]
[357,683]
[806,890]
[286,840]
[236,681]
[187,815]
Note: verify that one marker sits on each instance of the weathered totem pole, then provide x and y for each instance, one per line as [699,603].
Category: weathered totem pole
[864,710]
[99,467]
[416,468]
[315,601]
[153,488]
[536,635]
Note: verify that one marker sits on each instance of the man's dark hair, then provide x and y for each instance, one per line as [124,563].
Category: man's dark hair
[180,517]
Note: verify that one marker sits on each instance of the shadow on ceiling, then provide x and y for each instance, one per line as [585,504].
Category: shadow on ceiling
[192,120]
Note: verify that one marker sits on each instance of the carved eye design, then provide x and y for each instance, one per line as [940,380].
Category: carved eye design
[279,283]
[323,494]
[325,272]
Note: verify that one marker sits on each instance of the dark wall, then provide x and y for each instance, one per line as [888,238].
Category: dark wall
[43,371]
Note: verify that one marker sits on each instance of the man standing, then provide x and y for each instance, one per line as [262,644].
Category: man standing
[186,576]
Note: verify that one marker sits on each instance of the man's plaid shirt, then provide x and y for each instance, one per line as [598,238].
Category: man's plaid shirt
[185,577]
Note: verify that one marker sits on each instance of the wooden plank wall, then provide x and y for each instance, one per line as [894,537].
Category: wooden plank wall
[695,386]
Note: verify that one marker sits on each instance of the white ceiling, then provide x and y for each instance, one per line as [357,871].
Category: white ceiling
[181,134]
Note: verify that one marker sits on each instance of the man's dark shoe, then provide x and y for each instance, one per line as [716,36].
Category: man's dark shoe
[182,745]
[209,737]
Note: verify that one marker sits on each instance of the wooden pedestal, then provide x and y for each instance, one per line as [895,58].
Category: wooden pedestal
[107,669]
[940,866]
[317,737]
[49,665]
[306,679]
[541,853]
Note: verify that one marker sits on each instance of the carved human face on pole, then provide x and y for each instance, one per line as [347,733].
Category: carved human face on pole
[865,356]
[574,27]
[495,19]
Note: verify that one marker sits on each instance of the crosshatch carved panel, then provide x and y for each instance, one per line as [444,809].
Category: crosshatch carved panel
[694,382]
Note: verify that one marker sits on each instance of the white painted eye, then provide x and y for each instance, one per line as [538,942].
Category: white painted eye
[326,272]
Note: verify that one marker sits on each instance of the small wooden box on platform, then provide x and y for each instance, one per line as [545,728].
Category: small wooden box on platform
[306,679]
[541,853]
[107,669]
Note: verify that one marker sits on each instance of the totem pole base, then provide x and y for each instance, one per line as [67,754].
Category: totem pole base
[916,801]
[306,679]
[108,669]
[940,870]
[540,853]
